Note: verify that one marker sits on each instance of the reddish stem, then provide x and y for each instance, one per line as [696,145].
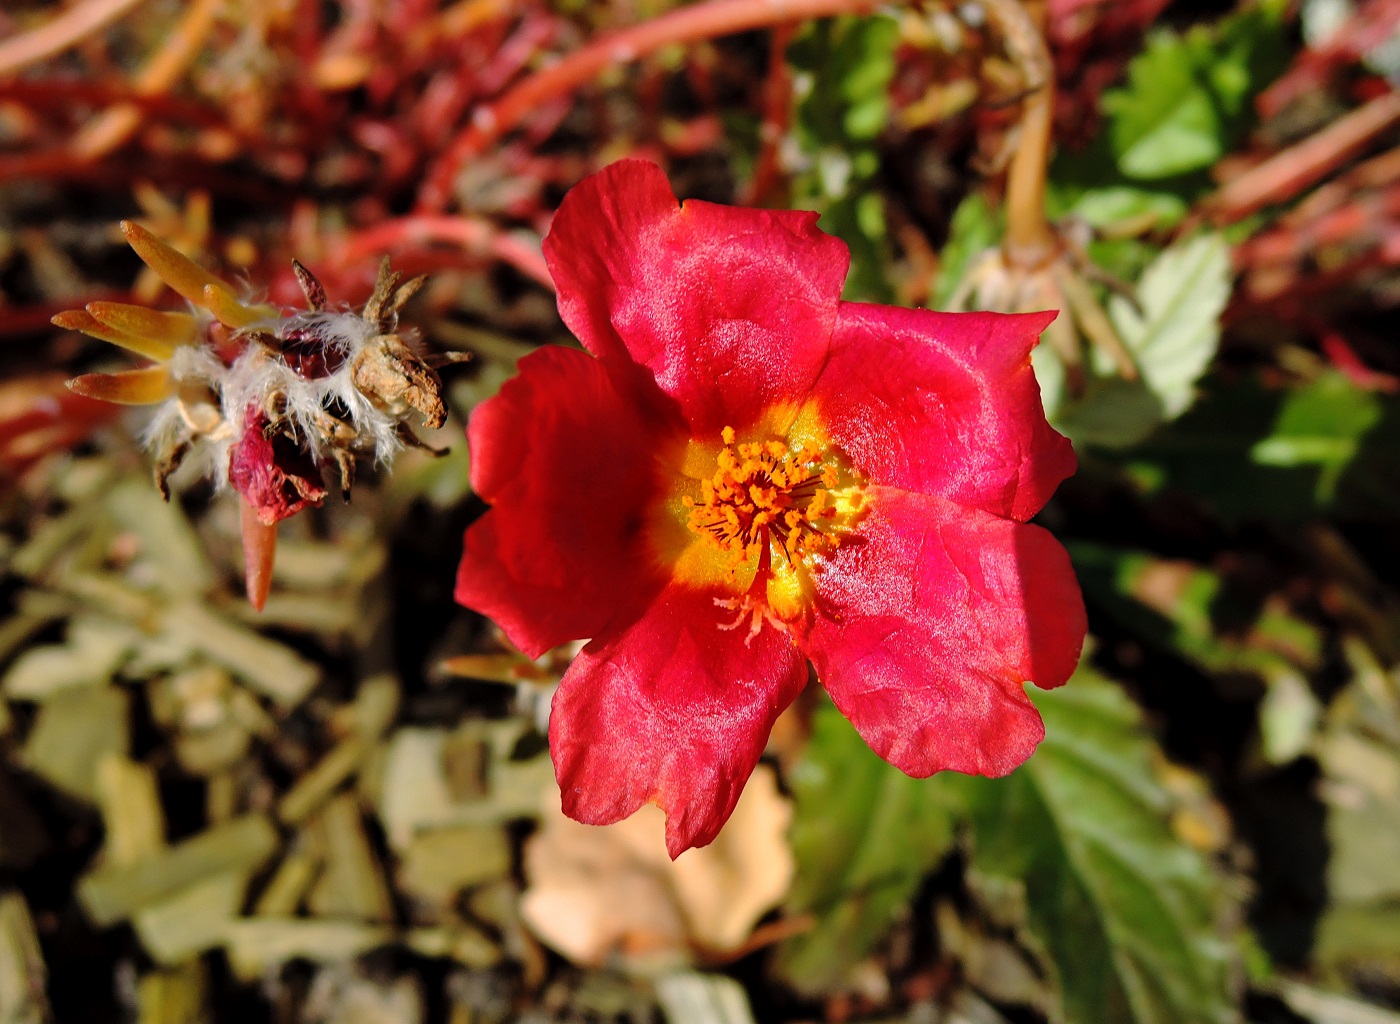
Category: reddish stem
[1284,174]
[476,236]
[777,112]
[692,24]
[62,32]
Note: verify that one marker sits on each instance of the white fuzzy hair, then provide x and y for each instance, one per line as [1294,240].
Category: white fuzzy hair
[258,373]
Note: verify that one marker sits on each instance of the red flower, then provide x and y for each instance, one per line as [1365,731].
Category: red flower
[743,472]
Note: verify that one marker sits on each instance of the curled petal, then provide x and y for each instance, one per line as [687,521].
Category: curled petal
[730,309]
[181,273]
[944,404]
[930,621]
[673,710]
[567,455]
[146,386]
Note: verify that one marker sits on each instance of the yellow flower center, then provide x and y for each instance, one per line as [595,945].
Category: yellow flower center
[766,493]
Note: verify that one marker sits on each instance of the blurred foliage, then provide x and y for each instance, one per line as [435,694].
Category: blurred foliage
[842,69]
[865,835]
[1133,921]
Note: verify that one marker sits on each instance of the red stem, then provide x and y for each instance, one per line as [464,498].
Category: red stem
[475,236]
[692,24]
[777,110]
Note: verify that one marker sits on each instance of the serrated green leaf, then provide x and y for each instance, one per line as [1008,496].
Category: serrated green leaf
[1124,912]
[1182,294]
[864,835]
[1187,97]
[1172,337]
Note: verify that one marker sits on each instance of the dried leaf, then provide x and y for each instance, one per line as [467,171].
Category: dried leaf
[596,892]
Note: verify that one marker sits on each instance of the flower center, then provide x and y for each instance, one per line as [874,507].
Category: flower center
[766,494]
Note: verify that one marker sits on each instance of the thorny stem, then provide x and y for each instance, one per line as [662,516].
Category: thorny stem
[701,21]
[471,234]
[64,31]
[114,126]
[1029,242]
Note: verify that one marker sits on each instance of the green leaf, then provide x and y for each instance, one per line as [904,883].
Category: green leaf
[1164,123]
[1125,913]
[864,835]
[1182,294]
[974,229]
[1186,102]
[1321,425]
[1172,338]
[1114,204]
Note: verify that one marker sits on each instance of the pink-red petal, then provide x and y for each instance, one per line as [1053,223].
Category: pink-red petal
[673,710]
[929,621]
[944,404]
[567,455]
[730,309]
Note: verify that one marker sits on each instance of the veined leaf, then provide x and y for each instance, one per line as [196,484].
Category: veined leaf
[864,835]
[1125,912]
[1182,294]
[1187,97]
[1172,338]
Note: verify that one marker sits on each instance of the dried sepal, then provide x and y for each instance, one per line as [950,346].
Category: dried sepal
[168,459]
[394,379]
[310,287]
[389,297]
[145,386]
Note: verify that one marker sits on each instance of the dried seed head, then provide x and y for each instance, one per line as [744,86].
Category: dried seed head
[269,399]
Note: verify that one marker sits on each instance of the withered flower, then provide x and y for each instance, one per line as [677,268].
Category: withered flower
[266,396]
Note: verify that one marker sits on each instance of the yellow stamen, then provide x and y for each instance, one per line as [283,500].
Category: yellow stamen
[765,493]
